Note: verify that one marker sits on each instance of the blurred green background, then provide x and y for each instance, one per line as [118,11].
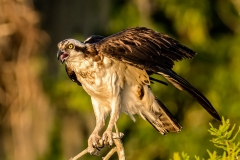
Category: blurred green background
[45,116]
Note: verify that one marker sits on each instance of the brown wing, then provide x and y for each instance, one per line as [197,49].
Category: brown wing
[144,48]
[94,39]
[154,52]
[71,74]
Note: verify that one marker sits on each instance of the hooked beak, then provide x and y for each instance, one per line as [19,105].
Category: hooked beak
[62,56]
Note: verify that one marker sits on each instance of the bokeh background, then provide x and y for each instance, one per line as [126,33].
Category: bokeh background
[45,116]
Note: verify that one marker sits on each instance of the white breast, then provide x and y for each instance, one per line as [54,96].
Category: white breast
[106,79]
[100,78]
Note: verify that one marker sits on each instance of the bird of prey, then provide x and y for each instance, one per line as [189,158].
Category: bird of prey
[115,71]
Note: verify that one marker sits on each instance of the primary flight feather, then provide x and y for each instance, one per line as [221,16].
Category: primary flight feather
[115,72]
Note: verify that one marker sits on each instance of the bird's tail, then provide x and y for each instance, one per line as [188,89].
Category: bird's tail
[161,118]
[182,84]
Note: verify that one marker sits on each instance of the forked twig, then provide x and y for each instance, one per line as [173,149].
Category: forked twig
[118,148]
[119,145]
[110,153]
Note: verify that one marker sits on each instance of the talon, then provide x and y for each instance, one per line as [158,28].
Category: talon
[93,144]
[108,138]
[93,151]
[110,142]
[100,143]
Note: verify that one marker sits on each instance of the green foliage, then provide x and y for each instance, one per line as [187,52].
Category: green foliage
[183,156]
[223,139]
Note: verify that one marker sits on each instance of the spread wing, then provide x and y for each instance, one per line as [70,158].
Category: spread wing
[96,38]
[154,52]
[144,48]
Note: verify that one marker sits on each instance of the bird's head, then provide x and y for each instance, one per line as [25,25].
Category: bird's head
[70,49]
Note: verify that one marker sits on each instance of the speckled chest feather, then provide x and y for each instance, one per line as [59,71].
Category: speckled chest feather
[102,78]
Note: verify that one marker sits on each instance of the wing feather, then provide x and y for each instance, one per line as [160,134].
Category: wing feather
[71,74]
[144,47]
[154,52]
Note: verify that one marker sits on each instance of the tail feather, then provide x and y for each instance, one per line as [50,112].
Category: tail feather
[161,118]
[182,84]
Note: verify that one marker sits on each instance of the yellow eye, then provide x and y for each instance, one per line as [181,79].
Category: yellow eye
[70,46]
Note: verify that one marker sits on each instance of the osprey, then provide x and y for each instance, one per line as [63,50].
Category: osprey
[115,72]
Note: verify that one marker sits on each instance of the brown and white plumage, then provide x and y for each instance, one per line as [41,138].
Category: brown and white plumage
[115,71]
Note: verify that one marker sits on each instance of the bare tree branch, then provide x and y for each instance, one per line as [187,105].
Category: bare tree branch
[85,151]
[110,153]
[118,148]
[119,145]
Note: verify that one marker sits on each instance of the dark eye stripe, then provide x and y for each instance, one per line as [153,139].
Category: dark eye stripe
[79,49]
